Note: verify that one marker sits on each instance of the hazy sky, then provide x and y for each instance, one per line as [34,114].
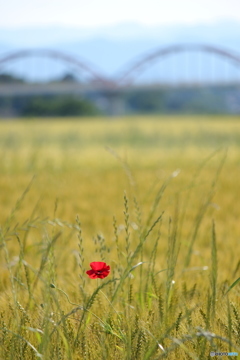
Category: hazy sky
[94,13]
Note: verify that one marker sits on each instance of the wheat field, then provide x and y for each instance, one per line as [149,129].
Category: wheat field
[157,199]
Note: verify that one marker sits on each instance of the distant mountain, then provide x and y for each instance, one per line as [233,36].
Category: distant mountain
[111,48]
[48,36]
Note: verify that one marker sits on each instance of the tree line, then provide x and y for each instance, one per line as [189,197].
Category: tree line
[196,99]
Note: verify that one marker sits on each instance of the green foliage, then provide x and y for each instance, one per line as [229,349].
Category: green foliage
[58,106]
[43,106]
[195,99]
[182,100]
[8,79]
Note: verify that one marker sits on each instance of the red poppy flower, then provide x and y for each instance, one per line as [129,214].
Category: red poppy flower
[99,270]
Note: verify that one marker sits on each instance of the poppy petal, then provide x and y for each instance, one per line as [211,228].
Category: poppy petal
[91,274]
[99,269]
[98,265]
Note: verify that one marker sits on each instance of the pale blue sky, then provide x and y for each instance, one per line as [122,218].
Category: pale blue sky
[94,13]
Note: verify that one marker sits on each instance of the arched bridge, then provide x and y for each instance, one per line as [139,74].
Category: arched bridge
[127,77]
[56,55]
[133,70]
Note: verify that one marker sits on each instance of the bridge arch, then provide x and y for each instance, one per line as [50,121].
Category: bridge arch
[56,55]
[127,77]
[131,72]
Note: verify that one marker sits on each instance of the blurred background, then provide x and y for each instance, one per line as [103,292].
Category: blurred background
[73,58]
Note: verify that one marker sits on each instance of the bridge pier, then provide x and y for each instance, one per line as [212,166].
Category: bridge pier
[116,103]
[110,102]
